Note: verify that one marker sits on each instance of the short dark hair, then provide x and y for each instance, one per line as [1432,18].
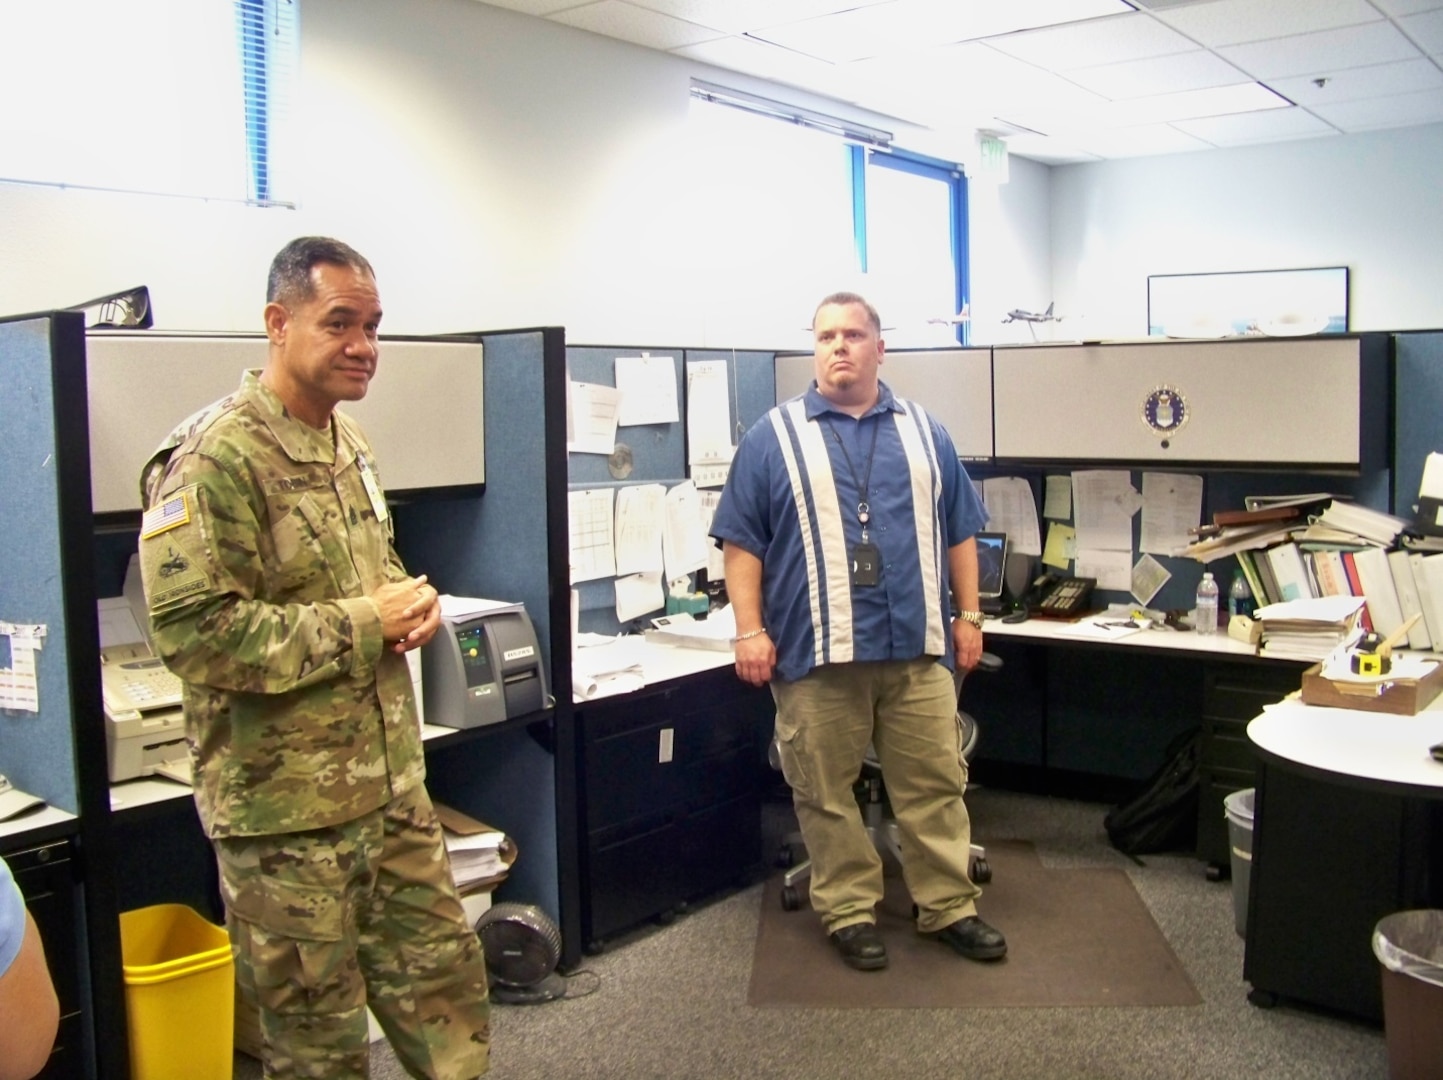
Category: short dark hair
[851,298]
[290,276]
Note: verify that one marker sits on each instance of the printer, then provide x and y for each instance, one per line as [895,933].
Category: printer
[144,724]
[483,666]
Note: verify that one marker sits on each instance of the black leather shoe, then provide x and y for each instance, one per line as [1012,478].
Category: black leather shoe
[974,939]
[860,947]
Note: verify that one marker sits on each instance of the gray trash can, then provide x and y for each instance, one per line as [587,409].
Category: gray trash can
[1239,810]
[1409,945]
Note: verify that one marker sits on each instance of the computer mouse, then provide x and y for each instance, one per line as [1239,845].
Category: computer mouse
[1437,751]
[1015,617]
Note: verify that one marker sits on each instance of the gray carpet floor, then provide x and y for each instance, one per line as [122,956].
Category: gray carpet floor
[670,1002]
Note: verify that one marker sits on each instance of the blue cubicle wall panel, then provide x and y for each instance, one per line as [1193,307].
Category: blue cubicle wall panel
[35,747]
[496,546]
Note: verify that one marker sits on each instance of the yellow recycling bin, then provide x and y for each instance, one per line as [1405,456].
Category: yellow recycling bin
[179,994]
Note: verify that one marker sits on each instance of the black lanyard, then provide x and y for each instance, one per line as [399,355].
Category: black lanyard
[864,512]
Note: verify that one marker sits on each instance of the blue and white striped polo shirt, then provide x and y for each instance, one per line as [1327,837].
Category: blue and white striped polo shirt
[791,500]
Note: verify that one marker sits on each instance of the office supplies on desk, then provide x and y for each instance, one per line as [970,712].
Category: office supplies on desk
[1410,685]
[715,632]
[483,666]
[14,802]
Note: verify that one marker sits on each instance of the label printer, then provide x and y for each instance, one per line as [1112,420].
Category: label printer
[483,666]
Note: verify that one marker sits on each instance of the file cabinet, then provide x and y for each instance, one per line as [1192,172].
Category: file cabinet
[1233,693]
[671,783]
[47,875]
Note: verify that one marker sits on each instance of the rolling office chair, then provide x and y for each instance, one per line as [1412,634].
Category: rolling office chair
[883,829]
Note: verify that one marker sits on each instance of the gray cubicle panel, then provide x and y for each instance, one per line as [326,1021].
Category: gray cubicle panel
[953,385]
[423,413]
[1299,403]
[1417,426]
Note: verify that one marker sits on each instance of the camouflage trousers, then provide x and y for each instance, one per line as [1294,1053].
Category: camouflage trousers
[325,922]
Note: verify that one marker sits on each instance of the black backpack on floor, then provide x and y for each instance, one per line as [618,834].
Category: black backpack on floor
[1164,816]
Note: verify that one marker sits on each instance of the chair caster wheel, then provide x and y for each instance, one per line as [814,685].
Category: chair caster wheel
[1263,999]
[785,857]
[981,871]
[791,898]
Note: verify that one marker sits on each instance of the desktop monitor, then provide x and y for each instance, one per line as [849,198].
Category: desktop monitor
[991,567]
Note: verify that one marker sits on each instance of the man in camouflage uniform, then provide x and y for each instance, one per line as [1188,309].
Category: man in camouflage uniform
[277,597]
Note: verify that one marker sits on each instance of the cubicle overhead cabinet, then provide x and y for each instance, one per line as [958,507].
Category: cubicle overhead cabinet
[1311,403]
[953,385]
[423,413]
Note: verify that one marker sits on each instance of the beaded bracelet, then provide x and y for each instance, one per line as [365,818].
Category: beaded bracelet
[750,634]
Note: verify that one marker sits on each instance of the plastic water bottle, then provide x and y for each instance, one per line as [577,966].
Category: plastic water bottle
[1240,597]
[1205,618]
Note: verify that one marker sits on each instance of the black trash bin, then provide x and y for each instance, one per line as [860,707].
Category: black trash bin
[1409,945]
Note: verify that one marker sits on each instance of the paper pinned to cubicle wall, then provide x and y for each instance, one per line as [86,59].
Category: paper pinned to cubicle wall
[1011,509]
[647,386]
[19,685]
[593,418]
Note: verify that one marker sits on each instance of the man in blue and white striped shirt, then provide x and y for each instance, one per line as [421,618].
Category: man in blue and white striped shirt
[847,526]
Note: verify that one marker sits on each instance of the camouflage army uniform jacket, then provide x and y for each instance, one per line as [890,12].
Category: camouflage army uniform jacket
[259,547]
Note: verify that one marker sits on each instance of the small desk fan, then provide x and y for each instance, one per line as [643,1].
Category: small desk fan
[522,946]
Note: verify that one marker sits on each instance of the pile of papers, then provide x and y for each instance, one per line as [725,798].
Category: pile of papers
[480,855]
[604,666]
[1308,629]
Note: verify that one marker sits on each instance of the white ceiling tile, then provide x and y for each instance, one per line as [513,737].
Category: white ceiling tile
[878,29]
[1377,80]
[1426,30]
[1402,110]
[1136,141]
[618,19]
[1190,104]
[533,7]
[1232,22]
[1323,52]
[757,58]
[1097,41]
[1195,70]
[740,16]
[1408,7]
[1256,127]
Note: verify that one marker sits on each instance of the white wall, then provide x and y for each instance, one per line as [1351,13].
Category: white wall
[1369,202]
[498,170]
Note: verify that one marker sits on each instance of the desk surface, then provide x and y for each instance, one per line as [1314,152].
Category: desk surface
[1054,631]
[658,663]
[1388,750]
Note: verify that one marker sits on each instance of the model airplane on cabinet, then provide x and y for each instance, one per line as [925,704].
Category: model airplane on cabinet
[952,320]
[1018,315]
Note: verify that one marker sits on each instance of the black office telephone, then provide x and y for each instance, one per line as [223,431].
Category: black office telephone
[1062,597]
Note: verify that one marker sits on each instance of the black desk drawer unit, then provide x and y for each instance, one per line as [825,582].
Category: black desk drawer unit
[46,875]
[671,792]
[1233,693]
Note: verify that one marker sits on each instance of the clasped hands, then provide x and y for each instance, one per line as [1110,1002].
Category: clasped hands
[410,613]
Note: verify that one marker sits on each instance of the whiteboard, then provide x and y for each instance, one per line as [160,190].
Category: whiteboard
[422,414]
[953,385]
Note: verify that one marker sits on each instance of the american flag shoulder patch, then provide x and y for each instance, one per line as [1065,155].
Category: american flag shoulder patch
[171,514]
